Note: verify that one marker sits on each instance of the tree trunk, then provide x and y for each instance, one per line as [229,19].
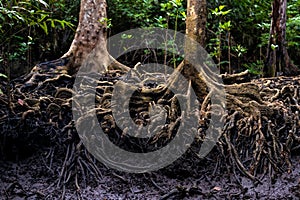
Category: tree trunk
[91,31]
[195,29]
[278,61]
[196,20]
[90,34]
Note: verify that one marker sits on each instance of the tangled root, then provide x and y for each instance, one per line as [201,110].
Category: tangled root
[261,131]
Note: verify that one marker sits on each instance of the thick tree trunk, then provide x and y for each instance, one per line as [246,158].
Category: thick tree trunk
[278,61]
[91,31]
[90,34]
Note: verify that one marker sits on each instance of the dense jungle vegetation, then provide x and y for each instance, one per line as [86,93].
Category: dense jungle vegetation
[34,31]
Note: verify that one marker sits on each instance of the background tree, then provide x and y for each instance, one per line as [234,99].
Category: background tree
[278,61]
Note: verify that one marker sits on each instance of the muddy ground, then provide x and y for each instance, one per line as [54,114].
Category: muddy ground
[28,175]
[34,178]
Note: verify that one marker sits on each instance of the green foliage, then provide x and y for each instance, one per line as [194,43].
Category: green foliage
[293,23]
[254,68]
[34,30]
[239,50]
[146,13]
[216,43]
[173,10]
[246,21]
[293,29]
[136,13]
[106,21]
[219,11]
[149,13]
[24,25]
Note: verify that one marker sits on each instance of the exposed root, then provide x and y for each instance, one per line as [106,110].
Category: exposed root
[262,127]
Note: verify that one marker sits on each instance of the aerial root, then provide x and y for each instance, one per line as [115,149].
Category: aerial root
[78,165]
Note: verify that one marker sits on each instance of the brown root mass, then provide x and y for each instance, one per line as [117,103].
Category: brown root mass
[261,131]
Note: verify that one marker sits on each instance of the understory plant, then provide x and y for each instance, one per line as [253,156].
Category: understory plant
[24,28]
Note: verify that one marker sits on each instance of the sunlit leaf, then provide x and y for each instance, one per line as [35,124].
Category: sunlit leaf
[43,2]
[52,24]
[221,7]
[183,14]
[44,27]
[273,46]
[3,75]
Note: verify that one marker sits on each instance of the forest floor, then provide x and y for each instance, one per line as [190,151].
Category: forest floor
[30,179]
[35,176]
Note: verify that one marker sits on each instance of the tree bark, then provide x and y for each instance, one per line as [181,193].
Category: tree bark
[91,33]
[196,19]
[278,61]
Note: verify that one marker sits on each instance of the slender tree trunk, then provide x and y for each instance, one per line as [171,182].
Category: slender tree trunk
[278,61]
[196,20]
[195,29]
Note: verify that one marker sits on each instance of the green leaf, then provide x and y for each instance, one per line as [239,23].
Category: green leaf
[52,24]
[273,46]
[44,27]
[17,15]
[43,16]
[226,12]
[44,3]
[183,14]
[126,36]
[221,7]
[3,75]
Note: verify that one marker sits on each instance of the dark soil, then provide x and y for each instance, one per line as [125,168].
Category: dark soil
[31,179]
[29,125]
